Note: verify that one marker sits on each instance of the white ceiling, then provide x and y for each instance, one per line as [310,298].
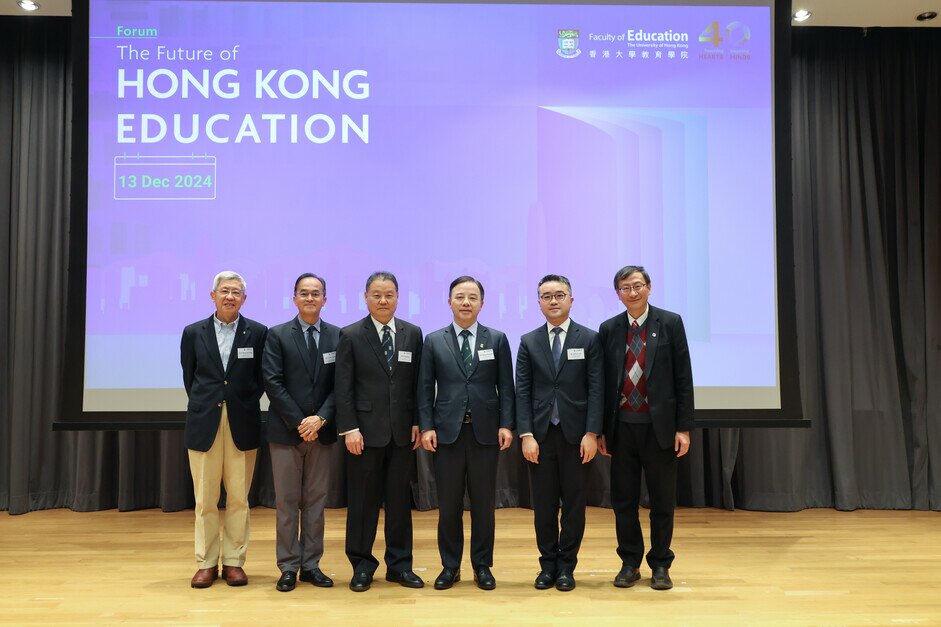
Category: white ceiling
[825,12]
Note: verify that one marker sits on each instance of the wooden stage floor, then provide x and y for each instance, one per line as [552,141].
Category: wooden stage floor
[743,568]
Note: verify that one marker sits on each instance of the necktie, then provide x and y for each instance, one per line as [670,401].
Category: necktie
[466,354]
[556,358]
[312,347]
[387,348]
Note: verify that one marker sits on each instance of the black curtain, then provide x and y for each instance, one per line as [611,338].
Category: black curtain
[867,227]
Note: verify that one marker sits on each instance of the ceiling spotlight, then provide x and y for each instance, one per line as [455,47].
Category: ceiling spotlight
[28,5]
[802,15]
[927,15]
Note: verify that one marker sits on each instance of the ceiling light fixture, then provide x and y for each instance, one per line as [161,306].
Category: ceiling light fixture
[927,15]
[28,5]
[802,15]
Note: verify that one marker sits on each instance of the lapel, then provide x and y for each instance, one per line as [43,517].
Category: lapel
[619,338]
[483,342]
[571,339]
[542,338]
[372,338]
[653,339]
[242,338]
[452,342]
[212,345]
[401,340]
[300,342]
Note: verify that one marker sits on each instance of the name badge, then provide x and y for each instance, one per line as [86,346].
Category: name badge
[329,358]
[485,354]
[247,353]
[405,357]
[576,353]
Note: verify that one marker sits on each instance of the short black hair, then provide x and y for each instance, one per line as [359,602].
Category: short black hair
[555,277]
[310,275]
[466,279]
[627,271]
[382,275]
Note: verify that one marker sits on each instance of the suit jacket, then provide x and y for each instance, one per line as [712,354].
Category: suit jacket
[296,387]
[668,369]
[577,386]
[380,403]
[486,389]
[208,384]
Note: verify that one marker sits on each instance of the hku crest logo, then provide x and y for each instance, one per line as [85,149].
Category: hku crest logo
[568,44]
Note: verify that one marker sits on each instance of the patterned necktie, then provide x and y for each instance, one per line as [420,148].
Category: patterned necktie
[387,348]
[557,359]
[466,354]
[312,347]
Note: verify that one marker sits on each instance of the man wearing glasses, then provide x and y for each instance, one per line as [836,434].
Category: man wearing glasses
[298,366]
[559,401]
[221,359]
[377,415]
[648,411]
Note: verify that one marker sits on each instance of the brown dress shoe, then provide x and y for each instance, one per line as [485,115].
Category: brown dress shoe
[234,575]
[204,577]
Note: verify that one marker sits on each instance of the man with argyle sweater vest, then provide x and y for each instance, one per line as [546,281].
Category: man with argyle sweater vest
[648,414]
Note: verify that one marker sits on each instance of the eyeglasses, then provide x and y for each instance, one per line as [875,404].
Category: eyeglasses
[548,298]
[304,295]
[226,292]
[633,287]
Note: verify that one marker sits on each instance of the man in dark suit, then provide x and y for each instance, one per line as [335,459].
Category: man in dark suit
[466,425]
[559,404]
[648,415]
[376,380]
[221,359]
[298,366]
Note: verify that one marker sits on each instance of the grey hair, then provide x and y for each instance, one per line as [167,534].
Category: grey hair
[228,275]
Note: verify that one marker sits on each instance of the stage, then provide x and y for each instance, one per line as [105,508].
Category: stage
[747,568]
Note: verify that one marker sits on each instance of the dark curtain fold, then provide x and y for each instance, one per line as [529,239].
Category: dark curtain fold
[867,242]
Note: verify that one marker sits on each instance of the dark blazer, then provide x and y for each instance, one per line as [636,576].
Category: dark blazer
[578,386]
[381,404]
[486,390]
[668,369]
[296,387]
[207,384]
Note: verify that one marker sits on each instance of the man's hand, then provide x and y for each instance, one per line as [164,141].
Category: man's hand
[588,448]
[429,440]
[530,449]
[603,446]
[681,443]
[354,442]
[309,427]
[505,437]
[416,437]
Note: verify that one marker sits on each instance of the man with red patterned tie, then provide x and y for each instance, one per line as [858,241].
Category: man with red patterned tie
[648,415]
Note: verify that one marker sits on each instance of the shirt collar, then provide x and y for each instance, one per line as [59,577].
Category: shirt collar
[564,325]
[640,319]
[305,326]
[379,325]
[472,328]
[225,325]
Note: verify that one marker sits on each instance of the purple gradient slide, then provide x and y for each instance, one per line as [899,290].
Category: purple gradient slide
[432,140]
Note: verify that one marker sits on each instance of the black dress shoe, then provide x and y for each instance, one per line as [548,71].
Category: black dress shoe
[627,577]
[660,580]
[405,578]
[317,578]
[287,581]
[360,582]
[484,578]
[545,580]
[447,578]
[565,582]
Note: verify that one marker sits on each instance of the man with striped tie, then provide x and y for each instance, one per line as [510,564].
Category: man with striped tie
[648,414]
[377,416]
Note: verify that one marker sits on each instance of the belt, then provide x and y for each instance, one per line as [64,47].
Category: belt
[467,418]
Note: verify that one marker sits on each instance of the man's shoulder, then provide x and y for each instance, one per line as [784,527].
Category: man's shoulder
[197,326]
[284,327]
[584,332]
[535,334]
[495,334]
[354,328]
[404,324]
[664,315]
[611,322]
[326,326]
